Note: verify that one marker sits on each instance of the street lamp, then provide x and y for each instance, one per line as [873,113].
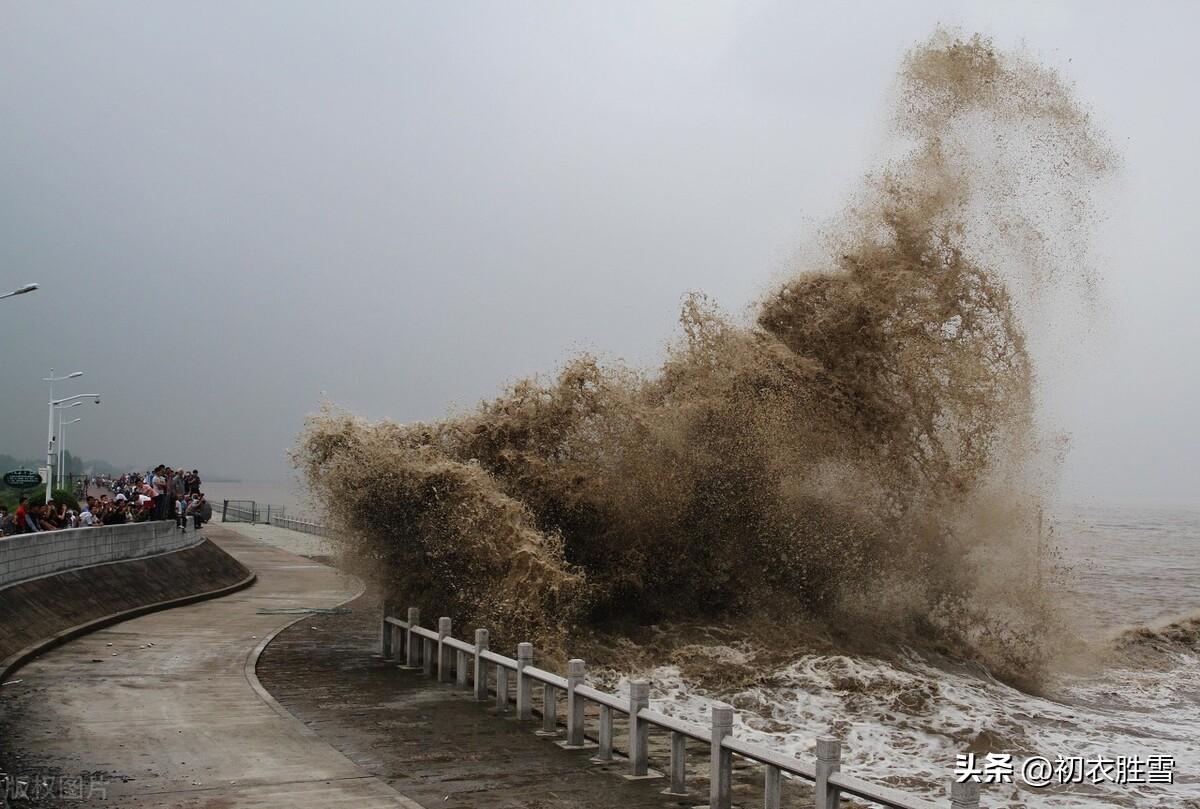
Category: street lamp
[62,445]
[20,290]
[50,445]
[62,442]
[50,429]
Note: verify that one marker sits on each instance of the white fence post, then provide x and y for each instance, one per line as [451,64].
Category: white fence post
[385,634]
[964,795]
[639,729]
[443,651]
[481,677]
[501,689]
[460,669]
[574,704]
[413,645]
[549,711]
[678,764]
[605,754]
[771,787]
[829,756]
[720,759]
[524,684]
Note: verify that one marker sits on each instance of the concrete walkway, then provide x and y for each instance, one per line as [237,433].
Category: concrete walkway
[436,744]
[165,710]
[290,541]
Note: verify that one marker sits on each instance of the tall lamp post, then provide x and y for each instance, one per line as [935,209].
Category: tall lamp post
[50,439]
[58,441]
[62,443]
[20,290]
[50,430]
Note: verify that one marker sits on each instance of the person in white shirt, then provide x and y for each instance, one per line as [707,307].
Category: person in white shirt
[86,518]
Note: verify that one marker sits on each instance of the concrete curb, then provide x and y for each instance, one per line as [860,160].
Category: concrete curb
[11,664]
[251,672]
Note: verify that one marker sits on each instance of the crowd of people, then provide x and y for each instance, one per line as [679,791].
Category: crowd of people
[162,493]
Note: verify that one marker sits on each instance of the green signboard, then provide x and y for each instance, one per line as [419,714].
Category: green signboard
[22,479]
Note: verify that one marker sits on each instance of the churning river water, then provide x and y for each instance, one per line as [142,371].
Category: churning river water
[904,720]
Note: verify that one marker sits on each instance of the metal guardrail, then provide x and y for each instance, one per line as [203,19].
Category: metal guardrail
[303,526]
[254,512]
[440,654]
[249,511]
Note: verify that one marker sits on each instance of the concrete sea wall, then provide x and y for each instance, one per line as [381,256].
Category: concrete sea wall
[25,556]
[55,586]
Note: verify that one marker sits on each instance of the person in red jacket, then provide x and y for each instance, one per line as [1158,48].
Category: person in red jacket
[23,514]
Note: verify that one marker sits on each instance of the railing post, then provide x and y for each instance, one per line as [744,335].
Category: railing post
[385,634]
[549,711]
[224,509]
[443,651]
[964,795]
[605,753]
[771,787]
[501,689]
[678,765]
[720,760]
[829,756]
[413,643]
[574,704]
[481,643]
[460,669]
[268,513]
[524,685]
[639,729]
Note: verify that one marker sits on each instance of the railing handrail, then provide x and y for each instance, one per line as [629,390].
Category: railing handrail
[499,660]
[828,781]
[677,725]
[763,755]
[877,792]
[546,677]
[601,698]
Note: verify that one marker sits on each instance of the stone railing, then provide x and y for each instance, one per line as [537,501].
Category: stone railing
[27,556]
[467,665]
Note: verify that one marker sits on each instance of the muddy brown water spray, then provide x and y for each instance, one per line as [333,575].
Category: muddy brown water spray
[864,454]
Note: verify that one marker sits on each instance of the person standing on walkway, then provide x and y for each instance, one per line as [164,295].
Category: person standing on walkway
[180,511]
[160,492]
[86,518]
[179,487]
[22,520]
[200,509]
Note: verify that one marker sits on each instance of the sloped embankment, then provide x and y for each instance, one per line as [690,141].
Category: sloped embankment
[40,613]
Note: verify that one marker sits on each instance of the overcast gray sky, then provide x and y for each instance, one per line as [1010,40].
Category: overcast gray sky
[236,208]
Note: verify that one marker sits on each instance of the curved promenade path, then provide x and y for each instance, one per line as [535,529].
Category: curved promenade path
[167,711]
